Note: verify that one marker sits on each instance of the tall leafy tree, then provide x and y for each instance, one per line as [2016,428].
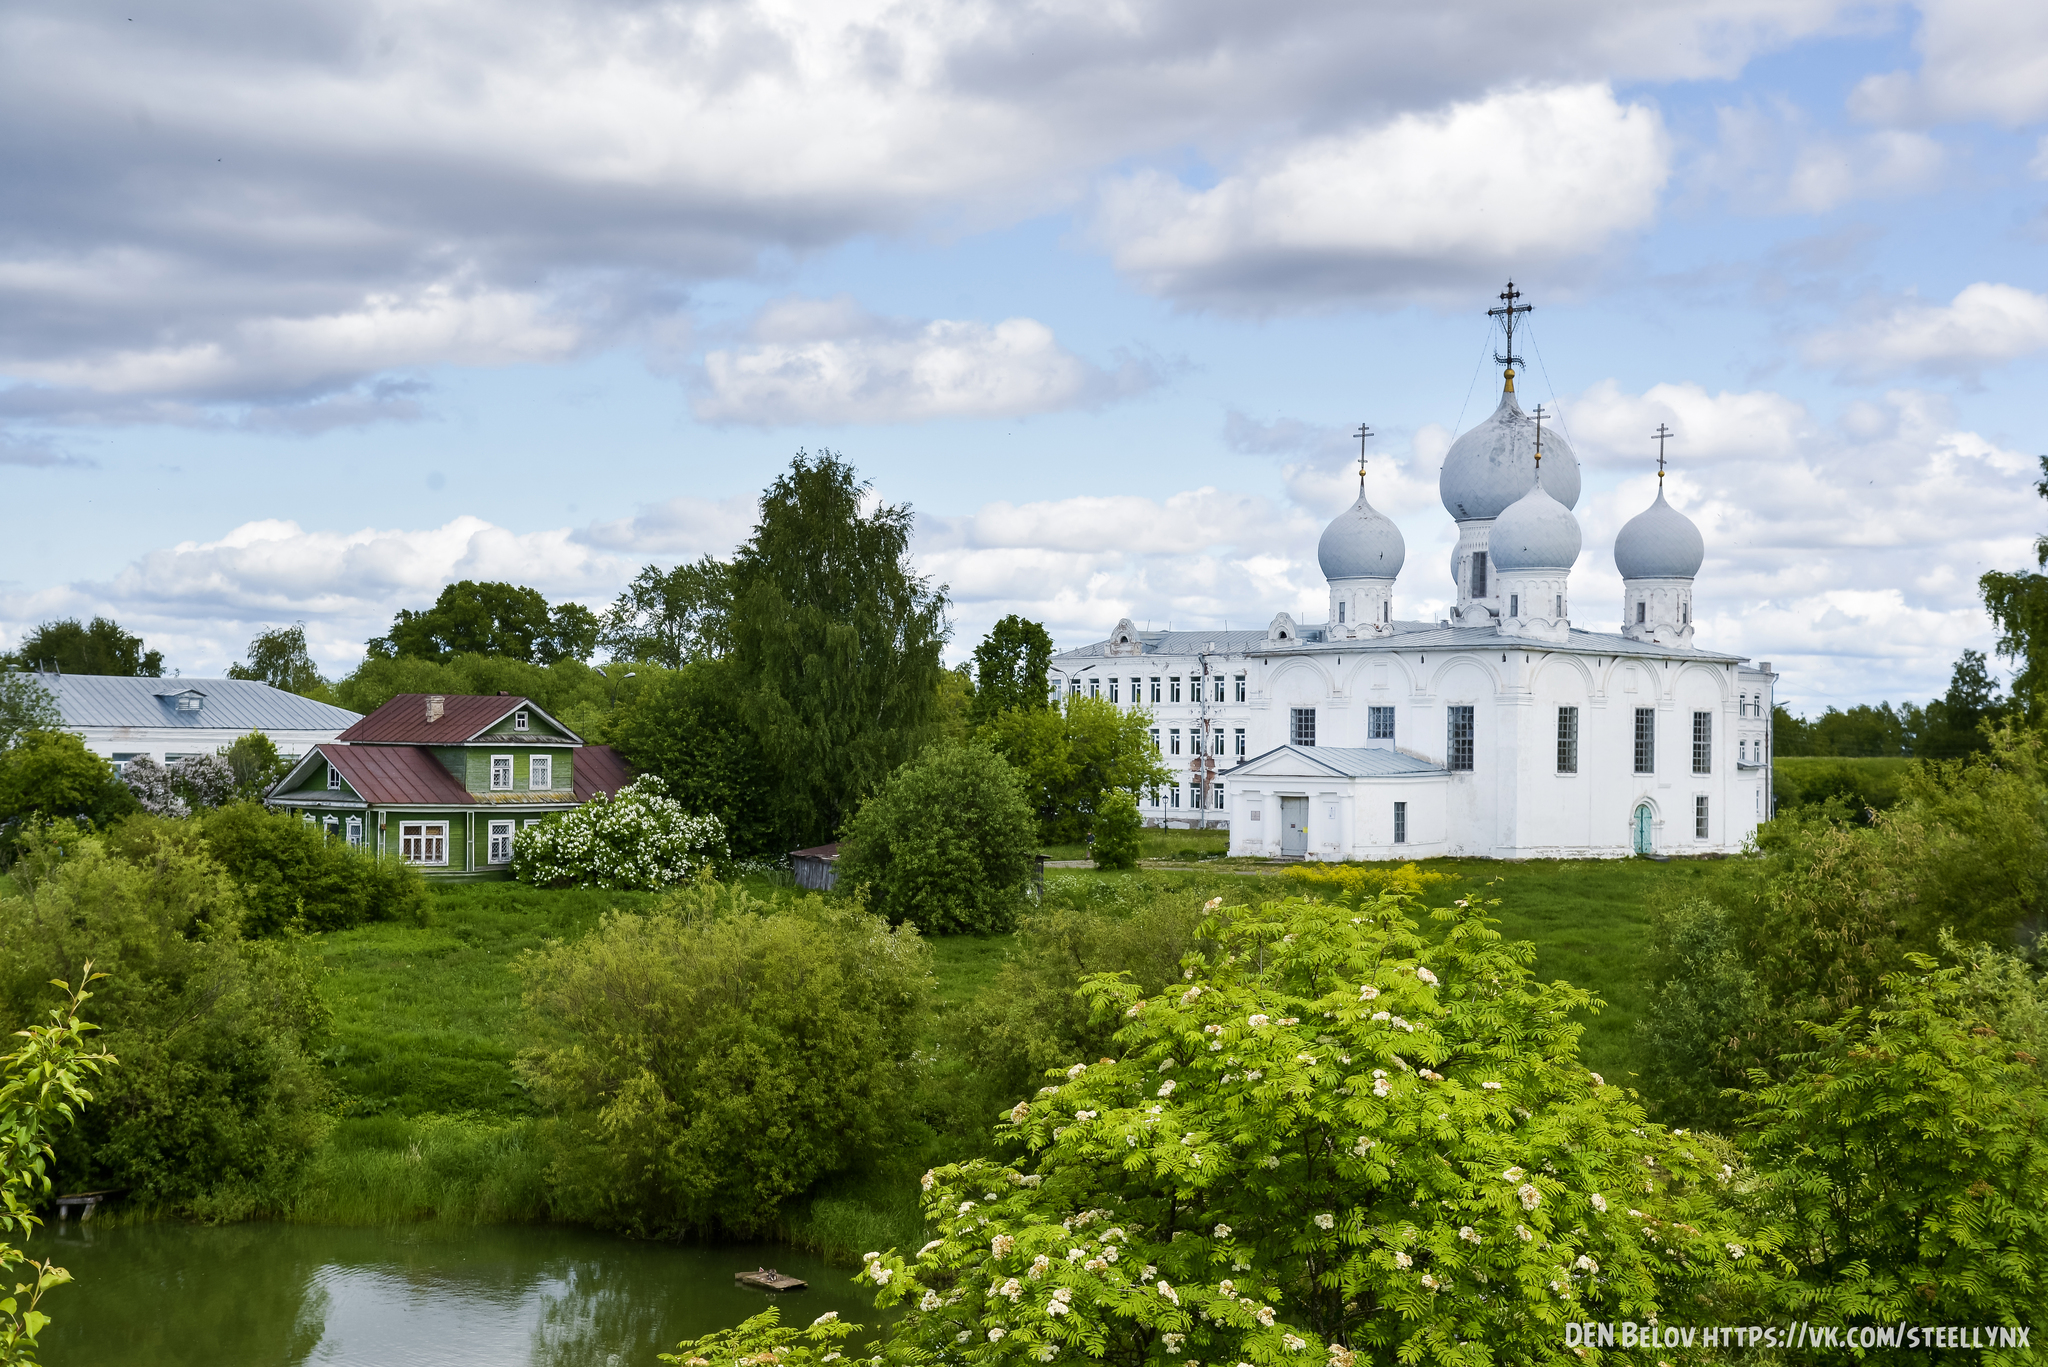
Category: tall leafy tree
[2018,603]
[670,617]
[279,658]
[510,621]
[25,705]
[1073,757]
[1010,668]
[835,640]
[101,646]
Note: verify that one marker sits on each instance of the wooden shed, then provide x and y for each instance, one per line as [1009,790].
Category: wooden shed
[816,868]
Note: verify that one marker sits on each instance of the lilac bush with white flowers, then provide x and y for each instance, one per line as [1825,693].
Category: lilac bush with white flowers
[636,839]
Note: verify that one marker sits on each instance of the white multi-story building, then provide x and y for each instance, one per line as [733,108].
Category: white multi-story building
[1500,731]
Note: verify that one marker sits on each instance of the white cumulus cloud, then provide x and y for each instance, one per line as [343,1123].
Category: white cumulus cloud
[1517,177]
[829,361]
[1979,59]
[1983,325]
[1770,158]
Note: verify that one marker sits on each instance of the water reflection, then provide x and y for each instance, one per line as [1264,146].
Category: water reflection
[414,1296]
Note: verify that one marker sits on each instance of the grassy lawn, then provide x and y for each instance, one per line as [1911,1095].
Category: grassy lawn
[425,1017]
[1155,843]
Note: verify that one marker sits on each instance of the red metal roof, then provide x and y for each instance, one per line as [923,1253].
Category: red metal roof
[395,774]
[403,720]
[825,852]
[599,768]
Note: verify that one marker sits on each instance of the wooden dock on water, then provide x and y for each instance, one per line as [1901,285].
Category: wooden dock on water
[768,1279]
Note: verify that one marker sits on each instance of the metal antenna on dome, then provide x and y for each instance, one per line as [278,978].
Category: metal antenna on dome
[1507,313]
[1363,433]
[1661,434]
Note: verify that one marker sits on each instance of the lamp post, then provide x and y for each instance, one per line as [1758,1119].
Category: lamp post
[615,681]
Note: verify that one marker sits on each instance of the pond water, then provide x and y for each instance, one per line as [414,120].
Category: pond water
[263,1295]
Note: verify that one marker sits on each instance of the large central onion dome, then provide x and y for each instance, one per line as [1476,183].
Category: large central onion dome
[1490,466]
[1659,543]
[1536,532]
[1363,543]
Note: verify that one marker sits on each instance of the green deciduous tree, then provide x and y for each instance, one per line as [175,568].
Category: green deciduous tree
[686,728]
[945,843]
[98,647]
[43,1087]
[1010,668]
[255,763]
[509,621]
[671,616]
[834,642]
[706,1064]
[1335,1140]
[1906,1158]
[218,1103]
[1073,756]
[279,658]
[50,774]
[25,705]
[1117,828]
[289,874]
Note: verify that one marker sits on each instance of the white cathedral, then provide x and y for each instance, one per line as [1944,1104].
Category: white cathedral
[1501,731]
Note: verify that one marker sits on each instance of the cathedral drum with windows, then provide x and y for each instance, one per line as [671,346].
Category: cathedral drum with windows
[1502,730]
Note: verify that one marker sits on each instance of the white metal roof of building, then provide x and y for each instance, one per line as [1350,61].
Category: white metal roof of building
[103,700]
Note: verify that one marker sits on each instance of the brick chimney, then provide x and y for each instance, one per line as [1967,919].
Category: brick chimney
[434,706]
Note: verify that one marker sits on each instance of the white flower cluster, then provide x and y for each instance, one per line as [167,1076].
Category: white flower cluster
[636,839]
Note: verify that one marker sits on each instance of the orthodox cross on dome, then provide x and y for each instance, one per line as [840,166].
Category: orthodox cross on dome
[1539,415]
[1507,313]
[1661,434]
[1362,434]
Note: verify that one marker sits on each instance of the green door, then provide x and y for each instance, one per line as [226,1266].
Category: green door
[1643,829]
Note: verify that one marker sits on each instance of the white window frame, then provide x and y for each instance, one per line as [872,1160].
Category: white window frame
[540,772]
[506,786]
[333,779]
[424,843]
[496,832]
[354,828]
[519,720]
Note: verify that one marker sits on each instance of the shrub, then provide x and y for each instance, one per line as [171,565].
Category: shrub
[635,839]
[702,1070]
[1704,1000]
[254,763]
[154,791]
[1117,827]
[217,1103]
[946,843]
[1370,879]
[291,873]
[1032,1017]
[1328,1136]
[50,775]
[1907,1155]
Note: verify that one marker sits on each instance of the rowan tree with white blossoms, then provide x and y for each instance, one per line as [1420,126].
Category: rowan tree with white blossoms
[1335,1140]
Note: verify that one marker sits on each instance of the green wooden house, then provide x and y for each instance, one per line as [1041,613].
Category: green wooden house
[445,781]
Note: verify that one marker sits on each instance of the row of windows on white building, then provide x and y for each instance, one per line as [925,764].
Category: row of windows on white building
[1379,725]
[1167,688]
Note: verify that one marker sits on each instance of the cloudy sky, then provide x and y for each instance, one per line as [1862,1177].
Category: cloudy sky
[310,307]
